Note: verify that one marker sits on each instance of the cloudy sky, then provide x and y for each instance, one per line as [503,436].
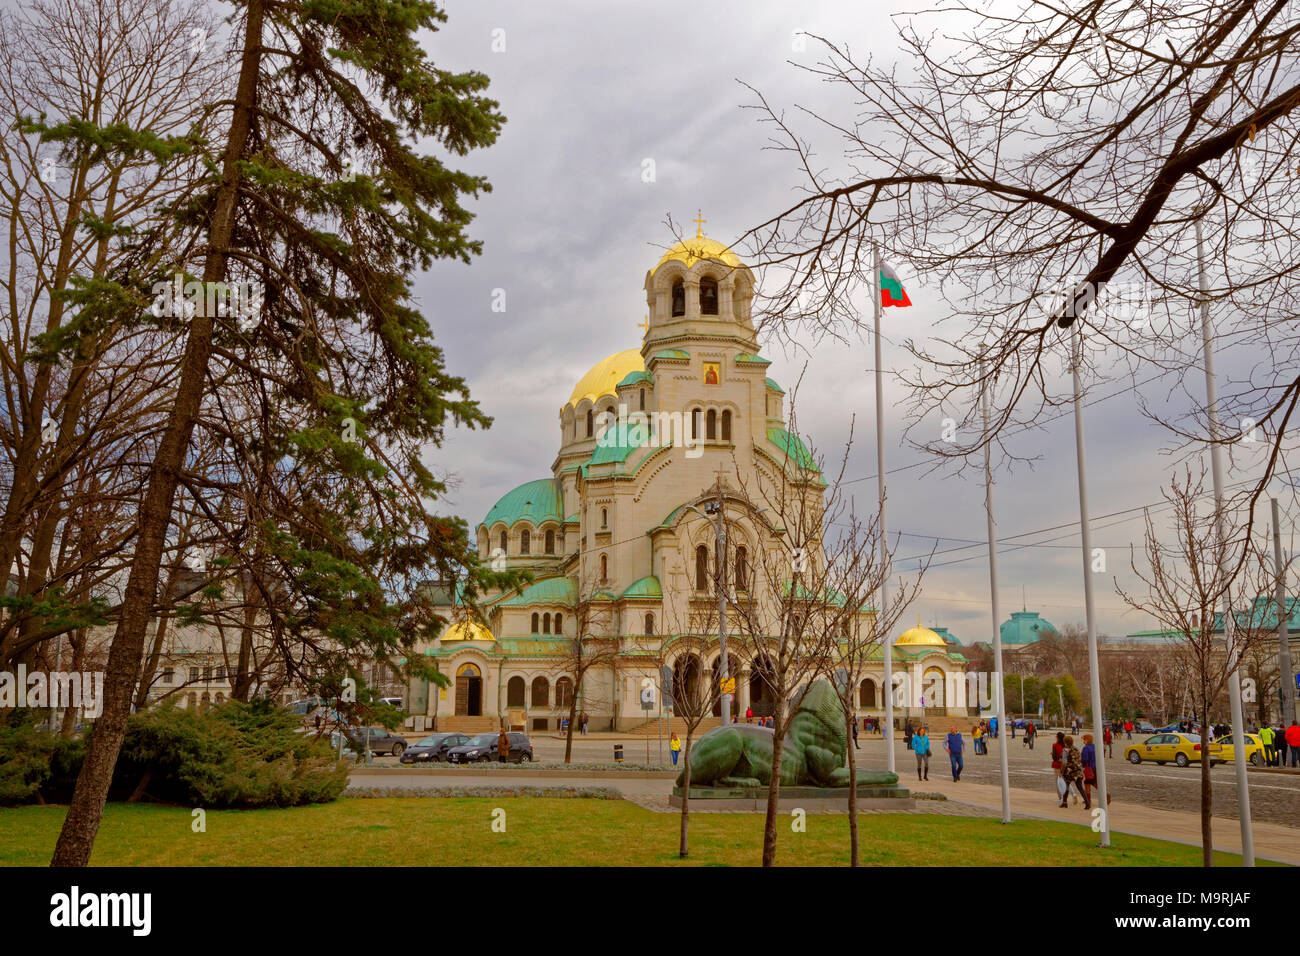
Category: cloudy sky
[592,91]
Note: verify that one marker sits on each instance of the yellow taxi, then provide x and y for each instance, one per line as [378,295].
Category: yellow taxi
[1254,749]
[1182,749]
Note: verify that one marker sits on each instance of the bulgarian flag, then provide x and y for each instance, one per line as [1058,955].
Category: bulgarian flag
[891,287]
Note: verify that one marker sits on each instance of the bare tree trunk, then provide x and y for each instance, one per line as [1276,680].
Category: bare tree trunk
[568,737]
[77,639]
[853,793]
[683,846]
[81,824]
[1207,791]
[773,789]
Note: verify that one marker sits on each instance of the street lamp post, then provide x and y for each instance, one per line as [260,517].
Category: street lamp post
[1061,697]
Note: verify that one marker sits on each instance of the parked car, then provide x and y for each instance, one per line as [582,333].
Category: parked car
[390,701]
[433,747]
[381,740]
[1182,749]
[482,748]
[1144,727]
[1254,750]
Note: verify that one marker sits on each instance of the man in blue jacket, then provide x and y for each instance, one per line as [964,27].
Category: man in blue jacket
[953,744]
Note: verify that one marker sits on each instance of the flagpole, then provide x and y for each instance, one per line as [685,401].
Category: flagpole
[1004,771]
[887,645]
[1085,528]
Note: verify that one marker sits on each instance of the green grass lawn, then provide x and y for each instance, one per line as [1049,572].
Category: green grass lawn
[558,832]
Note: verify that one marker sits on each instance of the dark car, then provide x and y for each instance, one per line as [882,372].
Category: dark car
[482,748]
[433,747]
[1144,726]
[381,740]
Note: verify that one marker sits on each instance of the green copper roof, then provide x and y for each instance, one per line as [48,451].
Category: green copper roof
[634,378]
[793,447]
[647,587]
[671,354]
[748,358]
[535,501]
[619,442]
[775,387]
[1025,627]
[557,590]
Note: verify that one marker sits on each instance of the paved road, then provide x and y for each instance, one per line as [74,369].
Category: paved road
[1274,798]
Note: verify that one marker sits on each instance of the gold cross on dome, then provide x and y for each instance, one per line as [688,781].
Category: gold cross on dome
[699,221]
[644,326]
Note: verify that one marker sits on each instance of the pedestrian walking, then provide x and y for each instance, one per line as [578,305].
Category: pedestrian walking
[976,735]
[1293,743]
[907,734]
[582,723]
[1088,760]
[1013,730]
[674,747]
[1128,730]
[1266,738]
[1058,753]
[855,732]
[749,715]
[1279,741]
[503,746]
[921,747]
[1031,734]
[1072,773]
[1108,738]
[953,745]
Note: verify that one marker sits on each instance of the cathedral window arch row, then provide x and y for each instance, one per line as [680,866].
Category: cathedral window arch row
[712,422]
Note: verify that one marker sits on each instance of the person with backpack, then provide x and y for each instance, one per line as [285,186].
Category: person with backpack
[1072,773]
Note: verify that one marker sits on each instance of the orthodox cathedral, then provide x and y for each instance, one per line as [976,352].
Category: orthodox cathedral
[618,536]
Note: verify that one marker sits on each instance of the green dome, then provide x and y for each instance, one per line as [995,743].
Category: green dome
[1025,627]
[633,378]
[534,501]
[647,587]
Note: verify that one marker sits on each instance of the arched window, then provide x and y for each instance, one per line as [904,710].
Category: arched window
[559,624]
[604,567]
[649,623]
[563,692]
[515,691]
[503,542]
[679,297]
[591,423]
[550,542]
[541,692]
[867,693]
[726,424]
[708,296]
[742,569]
[711,424]
[535,621]
[643,399]
[525,541]
[546,624]
[701,568]
[695,423]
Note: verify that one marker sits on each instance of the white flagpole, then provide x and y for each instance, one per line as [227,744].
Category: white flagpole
[1004,771]
[887,646]
[1221,524]
[1085,528]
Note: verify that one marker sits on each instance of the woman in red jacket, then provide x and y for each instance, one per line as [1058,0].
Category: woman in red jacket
[1058,752]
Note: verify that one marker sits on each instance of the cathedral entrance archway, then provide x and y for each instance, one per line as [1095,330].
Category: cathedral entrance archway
[469,691]
[733,670]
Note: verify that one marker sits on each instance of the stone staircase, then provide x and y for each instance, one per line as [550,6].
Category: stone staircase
[669,726]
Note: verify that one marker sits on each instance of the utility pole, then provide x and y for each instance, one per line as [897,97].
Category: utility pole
[1286,676]
[1004,772]
[1090,607]
[1221,525]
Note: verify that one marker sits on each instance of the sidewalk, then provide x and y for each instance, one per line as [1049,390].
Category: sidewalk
[1272,842]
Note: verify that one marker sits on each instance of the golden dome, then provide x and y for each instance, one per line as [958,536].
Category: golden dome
[691,251]
[607,373]
[467,631]
[919,637]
